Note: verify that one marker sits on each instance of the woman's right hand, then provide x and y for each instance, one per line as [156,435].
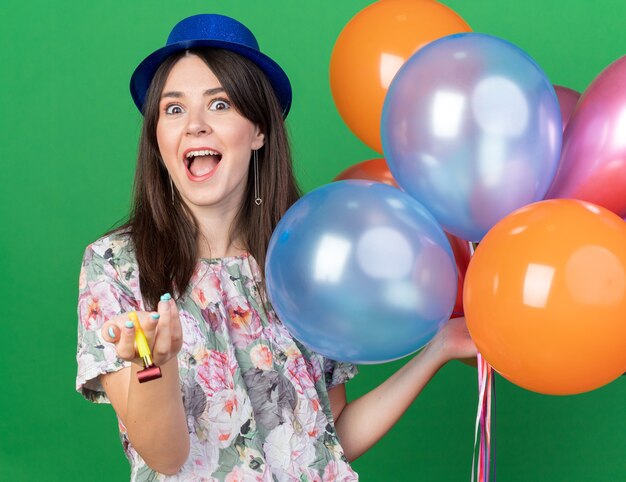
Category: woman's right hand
[162,329]
[153,413]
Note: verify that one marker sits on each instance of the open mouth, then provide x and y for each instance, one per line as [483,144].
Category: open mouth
[201,162]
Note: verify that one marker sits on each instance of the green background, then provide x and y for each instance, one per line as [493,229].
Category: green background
[69,133]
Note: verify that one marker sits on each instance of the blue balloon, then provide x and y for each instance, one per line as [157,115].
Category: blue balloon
[471,128]
[359,271]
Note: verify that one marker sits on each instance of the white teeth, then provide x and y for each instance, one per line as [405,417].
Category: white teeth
[205,152]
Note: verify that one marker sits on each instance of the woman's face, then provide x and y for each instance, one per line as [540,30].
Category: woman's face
[205,142]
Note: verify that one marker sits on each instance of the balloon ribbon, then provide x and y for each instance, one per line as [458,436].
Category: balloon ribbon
[482,468]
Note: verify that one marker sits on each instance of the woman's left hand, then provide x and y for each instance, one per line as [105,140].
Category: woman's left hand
[362,422]
[453,341]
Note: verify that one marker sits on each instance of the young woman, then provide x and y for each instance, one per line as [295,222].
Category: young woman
[239,398]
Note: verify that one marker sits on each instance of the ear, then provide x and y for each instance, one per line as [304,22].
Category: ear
[258,139]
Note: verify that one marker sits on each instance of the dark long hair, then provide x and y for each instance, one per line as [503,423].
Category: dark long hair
[163,230]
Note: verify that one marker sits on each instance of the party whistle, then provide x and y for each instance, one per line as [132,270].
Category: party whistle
[150,370]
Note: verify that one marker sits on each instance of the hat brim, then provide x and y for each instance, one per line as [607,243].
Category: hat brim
[142,77]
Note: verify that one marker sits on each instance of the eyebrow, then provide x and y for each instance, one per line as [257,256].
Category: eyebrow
[179,95]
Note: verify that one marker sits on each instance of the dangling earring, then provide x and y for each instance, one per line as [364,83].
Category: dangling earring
[171,188]
[255,160]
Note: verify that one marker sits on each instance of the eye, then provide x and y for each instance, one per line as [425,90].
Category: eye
[173,109]
[219,104]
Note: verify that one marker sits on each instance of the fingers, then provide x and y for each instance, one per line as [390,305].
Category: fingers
[149,322]
[110,331]
[176,329]
[162,343]
[120,330]
[168,338]
[162,329]
[125,346]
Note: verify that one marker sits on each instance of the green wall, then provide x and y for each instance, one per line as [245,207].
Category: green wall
[69,132]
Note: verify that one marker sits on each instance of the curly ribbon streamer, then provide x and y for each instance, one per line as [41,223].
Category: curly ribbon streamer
[481,469]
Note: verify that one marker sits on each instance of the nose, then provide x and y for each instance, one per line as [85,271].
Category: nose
[197,124]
